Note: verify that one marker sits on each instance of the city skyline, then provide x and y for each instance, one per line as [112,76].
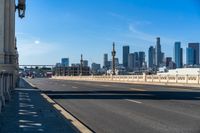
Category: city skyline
[119,21]
[150,58]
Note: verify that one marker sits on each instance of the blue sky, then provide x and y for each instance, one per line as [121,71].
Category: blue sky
[53,29]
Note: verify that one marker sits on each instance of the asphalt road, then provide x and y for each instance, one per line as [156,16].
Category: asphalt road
[127,108]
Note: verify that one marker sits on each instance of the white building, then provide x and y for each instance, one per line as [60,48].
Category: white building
[183,71]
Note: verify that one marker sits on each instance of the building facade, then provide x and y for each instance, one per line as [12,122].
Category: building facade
[142,59]
[195,47]
[178,55]
[85,63]
[130,61]
[151,57]
[125,56]
[190,56]
[158,56]
[136,63]
[95,68]
[65,62]
[105,61]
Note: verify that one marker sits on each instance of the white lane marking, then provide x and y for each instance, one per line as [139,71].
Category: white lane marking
[188,90]
[133,101]
[63,85]
[105,85]
[74,87]
[135,89]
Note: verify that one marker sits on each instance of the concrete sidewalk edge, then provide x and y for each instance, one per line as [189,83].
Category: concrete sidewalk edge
[76,123]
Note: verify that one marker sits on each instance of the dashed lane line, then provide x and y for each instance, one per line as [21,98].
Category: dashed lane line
[105,85]
[74,87]
[134,101]
[135,89]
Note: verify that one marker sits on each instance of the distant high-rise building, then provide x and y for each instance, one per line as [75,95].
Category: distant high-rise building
[95,68]
[65,62]
[181,57]
[190,54]
[151,56]
[116,62]
[172,65]
[125,56]
[130,61]
[178,53]
[136,64]
[195,47]
[58,64]
[141,59]
[105,61]
[158,55]
[168,60]
[162,58]
[109,64]
[75,64]
[85,63]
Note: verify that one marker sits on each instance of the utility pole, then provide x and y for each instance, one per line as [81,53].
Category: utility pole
[81,65]
[113,59]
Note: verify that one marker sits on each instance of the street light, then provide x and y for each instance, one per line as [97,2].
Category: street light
[21,8]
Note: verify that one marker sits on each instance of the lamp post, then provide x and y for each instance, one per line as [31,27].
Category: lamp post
[113,59]
[81,65]
[21,7]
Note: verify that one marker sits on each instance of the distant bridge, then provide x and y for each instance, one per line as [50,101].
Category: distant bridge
[36,65]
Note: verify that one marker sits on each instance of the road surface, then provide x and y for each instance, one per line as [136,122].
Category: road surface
[127,108]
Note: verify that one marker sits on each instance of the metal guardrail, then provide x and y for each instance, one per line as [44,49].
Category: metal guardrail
[6,85]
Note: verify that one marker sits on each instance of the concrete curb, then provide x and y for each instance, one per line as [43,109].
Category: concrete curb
[74,121]
[77,124]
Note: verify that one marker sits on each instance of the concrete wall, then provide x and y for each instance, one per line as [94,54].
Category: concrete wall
[166,79]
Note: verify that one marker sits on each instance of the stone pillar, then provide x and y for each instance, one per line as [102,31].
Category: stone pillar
[7,31]
[8,54]
[2,33]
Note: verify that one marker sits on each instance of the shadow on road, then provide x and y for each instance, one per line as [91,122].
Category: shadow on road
[150,95]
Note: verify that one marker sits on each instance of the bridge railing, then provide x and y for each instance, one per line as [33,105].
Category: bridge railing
[6,85]
[173,79]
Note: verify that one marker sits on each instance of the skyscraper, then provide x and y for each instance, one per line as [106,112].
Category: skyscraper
[151,56]
[130,61]
[181,57]
[190,54]
[95,68]
[158,55]
[125,56]
[178,53]
[105,61]
[195,47]
[85,63]
[168,60]
[136,64]
[141,59]
[162,58]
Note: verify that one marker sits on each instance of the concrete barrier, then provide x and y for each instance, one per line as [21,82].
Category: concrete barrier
[166,79]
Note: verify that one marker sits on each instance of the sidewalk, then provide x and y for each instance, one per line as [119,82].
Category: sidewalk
[28,112]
